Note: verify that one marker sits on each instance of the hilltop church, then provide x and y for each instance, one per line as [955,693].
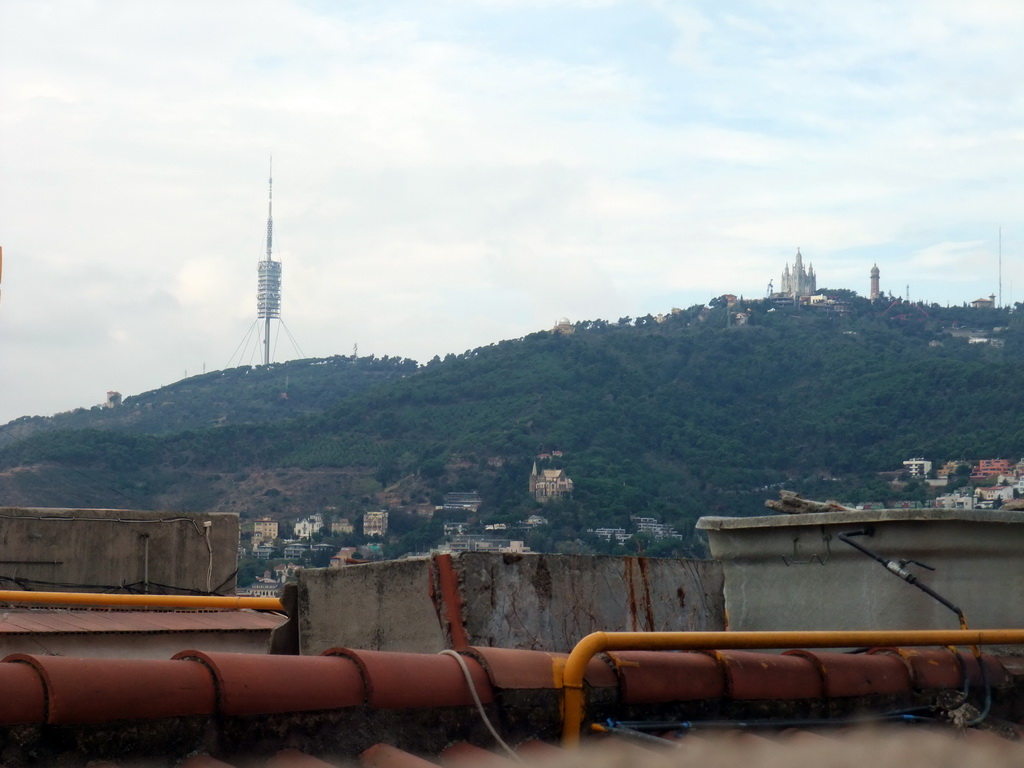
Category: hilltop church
[798,282]
[549,484]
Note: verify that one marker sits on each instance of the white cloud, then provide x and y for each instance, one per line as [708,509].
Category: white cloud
[453,174]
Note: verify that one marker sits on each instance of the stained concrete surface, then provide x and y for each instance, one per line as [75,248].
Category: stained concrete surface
[792,572]
[93,550]
[528,601]
[375,606]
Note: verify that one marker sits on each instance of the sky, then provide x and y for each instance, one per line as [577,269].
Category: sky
[453,173]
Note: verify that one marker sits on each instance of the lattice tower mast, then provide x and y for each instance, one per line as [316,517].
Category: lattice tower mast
[268,296]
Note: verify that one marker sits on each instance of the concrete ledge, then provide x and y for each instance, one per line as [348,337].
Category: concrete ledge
[858,516]
[503,600]
[791,572]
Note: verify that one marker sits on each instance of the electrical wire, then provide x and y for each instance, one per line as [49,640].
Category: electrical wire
[204,532]
[479,704]
[646,738]
[83,518]
[690,725]
[207,525]
[136,587]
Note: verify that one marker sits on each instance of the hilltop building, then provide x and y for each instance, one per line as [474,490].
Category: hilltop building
[342,525]
[469,501]
[549,484]
[875,292]
[305,528]
[986,468]
[563,326]
[264,530]
[917,467]
[375,523]
[798,282]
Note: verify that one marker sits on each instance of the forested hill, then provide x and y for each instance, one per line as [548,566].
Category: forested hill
[668,420]
[234,396]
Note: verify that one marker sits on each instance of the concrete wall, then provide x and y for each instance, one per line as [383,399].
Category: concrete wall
[791,572]
[92,550]
[531,601]
[548,602]
[135,645]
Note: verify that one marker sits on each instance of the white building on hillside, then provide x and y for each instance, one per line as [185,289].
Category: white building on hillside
[305,528]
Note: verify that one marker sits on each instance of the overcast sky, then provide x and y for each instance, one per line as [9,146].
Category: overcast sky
[451,173]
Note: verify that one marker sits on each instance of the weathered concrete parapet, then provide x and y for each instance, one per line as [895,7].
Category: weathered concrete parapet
[94,550]
[791,572]
[551,601]
[511,601]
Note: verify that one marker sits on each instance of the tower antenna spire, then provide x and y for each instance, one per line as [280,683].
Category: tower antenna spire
[270,210]
[268,294]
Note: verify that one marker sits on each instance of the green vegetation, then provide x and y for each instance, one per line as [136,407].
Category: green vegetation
[671,420]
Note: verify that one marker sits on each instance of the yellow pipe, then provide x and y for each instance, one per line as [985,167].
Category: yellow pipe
[148,601]
[597,642]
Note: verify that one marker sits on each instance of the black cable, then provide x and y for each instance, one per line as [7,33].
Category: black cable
[897,569]
[689,725]
[34,585]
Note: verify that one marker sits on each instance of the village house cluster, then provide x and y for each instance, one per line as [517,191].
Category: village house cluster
[988,483]
[270,540]
[642,526]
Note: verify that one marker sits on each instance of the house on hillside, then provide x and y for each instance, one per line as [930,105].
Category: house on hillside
[950,468]
[917,467]
[549,484]
[987,468]
[992,496]
[305,528]
[962,498]
[296,551]
[375,523]
[264,531]
[466,500]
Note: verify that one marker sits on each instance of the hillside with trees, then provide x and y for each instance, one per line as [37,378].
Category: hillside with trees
[697,414]
[242,395]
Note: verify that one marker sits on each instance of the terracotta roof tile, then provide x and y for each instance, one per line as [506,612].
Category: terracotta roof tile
[751,675]
[844,674]
[515,669]
[386,756]
[254,684]
[242,707]
[24,698]
[104,690]
[465,755]
[294,758]
[654,676]
[440,681]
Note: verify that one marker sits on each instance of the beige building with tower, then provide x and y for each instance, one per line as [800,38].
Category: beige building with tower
[549,484]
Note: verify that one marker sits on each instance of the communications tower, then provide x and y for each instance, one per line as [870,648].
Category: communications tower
[268,292]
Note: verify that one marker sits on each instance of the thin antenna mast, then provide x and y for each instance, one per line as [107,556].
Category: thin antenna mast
[1000,266]
[270,248]
[268,297]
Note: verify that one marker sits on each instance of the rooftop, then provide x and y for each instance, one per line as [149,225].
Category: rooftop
[386,708]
